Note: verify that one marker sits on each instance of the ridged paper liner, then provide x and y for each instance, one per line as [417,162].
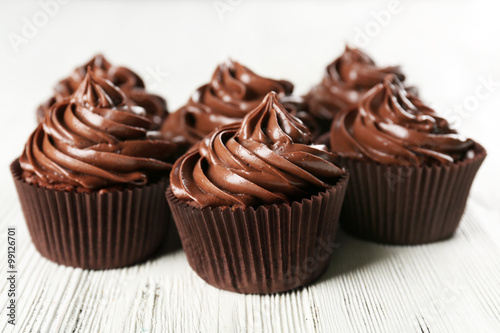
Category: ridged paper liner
[407,204]
[260,250]
[91,230]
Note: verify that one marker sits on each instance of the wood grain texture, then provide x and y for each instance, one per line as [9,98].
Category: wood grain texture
[444,47]
[451,286]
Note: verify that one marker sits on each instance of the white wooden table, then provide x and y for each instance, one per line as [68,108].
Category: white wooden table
[445,48]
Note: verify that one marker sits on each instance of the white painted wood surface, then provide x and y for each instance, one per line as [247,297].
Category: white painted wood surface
[450,286]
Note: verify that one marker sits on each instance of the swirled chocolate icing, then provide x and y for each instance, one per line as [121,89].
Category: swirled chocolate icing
[345,80]
[233,92]
[96,139]
[391,126]
[129,82]
[267,158]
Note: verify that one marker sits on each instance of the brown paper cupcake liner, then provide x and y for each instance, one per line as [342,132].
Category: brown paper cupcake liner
[91,230]
[406,204]
[262,250]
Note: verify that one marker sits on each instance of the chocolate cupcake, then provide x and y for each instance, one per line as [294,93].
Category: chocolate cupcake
[91,182]
[410,172]
[257,204]
[129,83]
[232,93]
[346,79]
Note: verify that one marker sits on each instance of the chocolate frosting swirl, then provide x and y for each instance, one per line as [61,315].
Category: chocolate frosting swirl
[96,139]
[233,92]
[267,158]
[391,126]
[345,80]
[128,81]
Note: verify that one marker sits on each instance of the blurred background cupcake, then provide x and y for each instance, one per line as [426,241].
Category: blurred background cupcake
[255,202]
[410,172]
[345,80]
[232,93]
[129,83]
[91,181]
